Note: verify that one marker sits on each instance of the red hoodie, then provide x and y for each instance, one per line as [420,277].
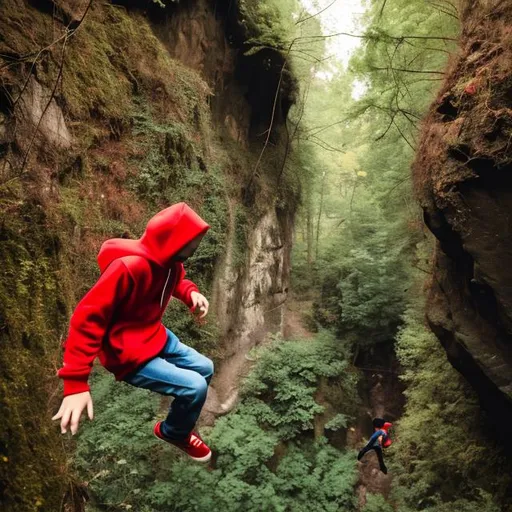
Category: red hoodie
[387,442]
[119,319]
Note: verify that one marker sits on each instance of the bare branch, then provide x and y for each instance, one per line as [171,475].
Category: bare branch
[323,128]
[394,187]
[442,8]
[326,144]
[374,36]
[404,137]
[52,95]
[289,140]
[403,70]
[68,33]
[65,37]
[313,57]
[422,269]
[387,129]
[382,8]
[316,14]
[448,4]
[320,144]
[269,131]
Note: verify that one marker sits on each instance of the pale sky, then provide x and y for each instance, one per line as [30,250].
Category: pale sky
[341,16]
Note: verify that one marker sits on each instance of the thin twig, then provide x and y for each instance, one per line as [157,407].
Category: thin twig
[323,128]
[404,137]
[68,33]
[403,70]
[290,139]
[313,138]
[36,131]
[440,8]
[382,8]
[278,88]
[387,129]
[396,186]
[316,14]
[321,143]
[376,370]
[374,36]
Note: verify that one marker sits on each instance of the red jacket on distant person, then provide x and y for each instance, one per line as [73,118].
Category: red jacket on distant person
[119,319]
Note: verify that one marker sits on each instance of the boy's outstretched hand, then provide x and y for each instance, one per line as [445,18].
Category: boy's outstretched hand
[71,409]
[199,301]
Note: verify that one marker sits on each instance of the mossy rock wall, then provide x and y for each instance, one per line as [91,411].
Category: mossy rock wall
[128,129]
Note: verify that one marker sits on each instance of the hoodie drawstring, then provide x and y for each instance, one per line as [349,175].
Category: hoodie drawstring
[165,286]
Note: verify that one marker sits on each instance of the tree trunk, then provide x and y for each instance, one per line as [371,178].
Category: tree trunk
[320,208]
[309,229]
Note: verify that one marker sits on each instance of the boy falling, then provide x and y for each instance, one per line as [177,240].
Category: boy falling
[119,320]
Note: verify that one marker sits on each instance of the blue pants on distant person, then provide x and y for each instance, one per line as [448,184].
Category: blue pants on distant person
[182,372]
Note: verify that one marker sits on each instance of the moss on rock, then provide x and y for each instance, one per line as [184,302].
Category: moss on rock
[142,139]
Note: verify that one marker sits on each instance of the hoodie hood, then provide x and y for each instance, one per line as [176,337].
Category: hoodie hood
[165,235]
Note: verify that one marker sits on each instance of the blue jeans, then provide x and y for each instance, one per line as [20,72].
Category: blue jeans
[183,373]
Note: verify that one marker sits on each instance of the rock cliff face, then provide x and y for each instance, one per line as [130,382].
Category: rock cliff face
[463,176]
[249,301]
[247,294]
[140,107]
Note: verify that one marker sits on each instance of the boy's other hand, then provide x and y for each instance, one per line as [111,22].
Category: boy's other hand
[199,301]
[71,409]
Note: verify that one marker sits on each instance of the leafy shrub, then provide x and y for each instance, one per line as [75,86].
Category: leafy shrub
[442,450]
[377,503]
[265,457]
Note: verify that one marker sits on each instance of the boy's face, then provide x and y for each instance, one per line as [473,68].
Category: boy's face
[188,250]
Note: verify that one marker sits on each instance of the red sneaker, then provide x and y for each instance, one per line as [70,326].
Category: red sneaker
[193,446]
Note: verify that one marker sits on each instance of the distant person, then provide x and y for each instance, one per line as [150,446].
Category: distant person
[379,439]
[119,320]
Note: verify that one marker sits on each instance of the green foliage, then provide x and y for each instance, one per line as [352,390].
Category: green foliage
[326,478]
[442,450]
[266,26]
[116,454]
[357,222]
[358,240]
[265,456]
[402,75]
[280,391]
[339,421]
[365,267]
[483,502]
[309,477]
[171,163]
[377,503]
